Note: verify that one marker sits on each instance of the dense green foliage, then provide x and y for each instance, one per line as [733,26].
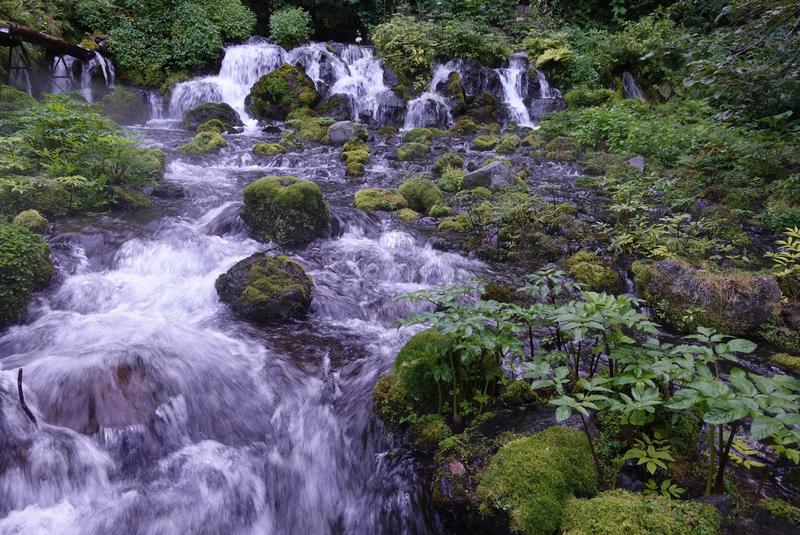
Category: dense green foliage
[63,156]
[24,267]
[290,26]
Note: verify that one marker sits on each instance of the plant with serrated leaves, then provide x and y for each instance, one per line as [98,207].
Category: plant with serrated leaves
[667,489]
[653,453]
[786,262]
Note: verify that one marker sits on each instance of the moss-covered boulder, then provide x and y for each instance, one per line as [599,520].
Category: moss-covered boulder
[485,142]
[464,126]
[619,512]
[529,480]
[412,151]
[407,215]
[280,92]
[215,125]
[372,199]
[285,209]
[447,160]
[268,149]
[24,267]
[733,303]
[440,210]
[592,273]
[127,198]
[777,517]
[787,362]
[205,112]
[422,135]
[266,289]
[32,220]
[420,193]
[125,107]
[508,144]
[204,143]
[355,155]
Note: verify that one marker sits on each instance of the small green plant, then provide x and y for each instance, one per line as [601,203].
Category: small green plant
[667,489]
[787,261]
[653,453]
[290,26]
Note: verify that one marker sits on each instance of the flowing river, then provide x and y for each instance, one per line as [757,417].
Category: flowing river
[159,412]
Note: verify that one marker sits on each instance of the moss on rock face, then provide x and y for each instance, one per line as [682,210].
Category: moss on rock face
[268,149]
[781,509]
[733,303]
[423,135]
[129,198]
[508,144]
[214,125]
[24,267]
[412,151]
[448,160]
[408,215]
[619,512]
[203,113]
[440,210]
[464,126]
[280,92]
[530,479]
[420,193]
[372,199]
[285,209]
[355,155]
[426,432]
[203,143]
[785,361]
[266,288]
[591,272]
[31,220]
[484,142]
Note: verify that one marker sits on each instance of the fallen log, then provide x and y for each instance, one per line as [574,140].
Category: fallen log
[57,47]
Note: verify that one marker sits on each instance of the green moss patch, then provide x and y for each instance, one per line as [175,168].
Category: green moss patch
[421,194]
[594,274]
[485,142]
[372,199]
[280,92]
[24,267]
[412,151]
[31,220]
[204,143]
[268,149]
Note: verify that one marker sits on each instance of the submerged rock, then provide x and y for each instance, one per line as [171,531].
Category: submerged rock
[266,289]
[496,175]
[285,209]
[205,112]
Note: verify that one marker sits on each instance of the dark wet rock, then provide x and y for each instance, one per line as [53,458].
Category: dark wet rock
[391,109]
[271,129]
[337,106]
[390,78]
[722,503]
[543,106]
[496,175]
[341,132]
[205,112]
[733,303]
[168,190]
[478,79]
[266,289]
[638,162]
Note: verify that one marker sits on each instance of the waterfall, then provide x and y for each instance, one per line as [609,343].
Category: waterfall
[362,83]
[62,79]
[630,87]
[431,108]
[515,91]
[545,90]
[156,103]
[88,69]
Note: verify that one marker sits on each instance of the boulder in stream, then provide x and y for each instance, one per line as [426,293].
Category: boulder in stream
[280,92]
[285,209]
[341,131]
[266,289]
[208,111]
[496,175]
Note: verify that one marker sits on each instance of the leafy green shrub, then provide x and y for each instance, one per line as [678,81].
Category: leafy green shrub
[204,142]
[452,179]
[420,193]
[583,97]
[408,47]
[285,209]
[31,220]
[530,479]
[290,26]
[24,267]
[622,513]
[372,199]
[64,156]
[463,39]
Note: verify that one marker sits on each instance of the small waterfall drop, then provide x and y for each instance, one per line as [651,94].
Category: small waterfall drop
[631,88]
[363,82]
[545,90]
[431,108]
[515,91]
[88,69]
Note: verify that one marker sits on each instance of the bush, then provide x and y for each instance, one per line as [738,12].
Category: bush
[372,199]
[24,267]
[462,39]
[530,479]
[290,26]
[420,193]
[623,513]
[31,220]
[583,97]
[408,47]
[285,209]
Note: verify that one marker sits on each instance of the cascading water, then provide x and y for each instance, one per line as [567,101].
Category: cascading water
[88,69]
[431,108]
[630,87]
[545,89]
[515,91]
[62,77]
[160,412]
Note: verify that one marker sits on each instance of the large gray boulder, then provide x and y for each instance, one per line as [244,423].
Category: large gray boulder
[266,289]
[340,133]
[496,175]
